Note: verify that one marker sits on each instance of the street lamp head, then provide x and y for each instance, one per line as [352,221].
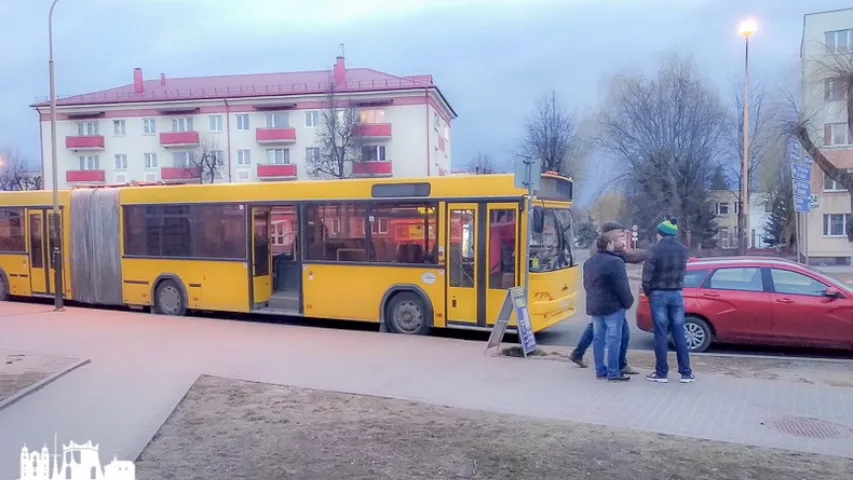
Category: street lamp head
[747,27]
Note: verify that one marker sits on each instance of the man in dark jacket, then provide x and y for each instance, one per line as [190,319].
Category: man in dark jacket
[663,280]
[608,296]
[616,232]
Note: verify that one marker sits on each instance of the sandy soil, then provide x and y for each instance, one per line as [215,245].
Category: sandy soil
[230,429]
[809,371]
[20,370]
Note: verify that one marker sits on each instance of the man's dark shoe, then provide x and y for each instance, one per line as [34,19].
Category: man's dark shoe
[578,361]
[654,377]
[628,370]
[688,378]
[619,379]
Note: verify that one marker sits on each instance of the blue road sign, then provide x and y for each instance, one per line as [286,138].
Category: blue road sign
[801,172]
[802,188]
[802,204]
[794,154]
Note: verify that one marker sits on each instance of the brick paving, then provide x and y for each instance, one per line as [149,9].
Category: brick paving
[143,364]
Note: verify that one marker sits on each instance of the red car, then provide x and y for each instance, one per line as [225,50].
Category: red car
[762,301]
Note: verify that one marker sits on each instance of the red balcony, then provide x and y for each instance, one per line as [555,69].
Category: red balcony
[180,173]
[275,171]
[179,139]
[371,169]
[72,176]
[275,135]
[88,142]
[373,130]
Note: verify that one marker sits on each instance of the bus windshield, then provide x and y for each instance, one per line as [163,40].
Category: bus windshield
[551,249]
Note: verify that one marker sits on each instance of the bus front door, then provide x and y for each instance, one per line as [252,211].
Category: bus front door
[464,266]
[38,252]
[502,246]
[261,256]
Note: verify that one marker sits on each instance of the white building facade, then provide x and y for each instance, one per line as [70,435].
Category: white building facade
[827,40]
[256,127]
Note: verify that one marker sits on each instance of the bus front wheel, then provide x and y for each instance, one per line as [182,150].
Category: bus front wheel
[169,299]
[407,313]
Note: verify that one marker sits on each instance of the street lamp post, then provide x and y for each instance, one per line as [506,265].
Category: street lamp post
[55,223]
[747,28]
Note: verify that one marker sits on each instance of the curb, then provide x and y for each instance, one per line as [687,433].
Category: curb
[41,383]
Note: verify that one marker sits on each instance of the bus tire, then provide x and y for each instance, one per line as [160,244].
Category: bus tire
[407,313]
[169,299]
[4,286]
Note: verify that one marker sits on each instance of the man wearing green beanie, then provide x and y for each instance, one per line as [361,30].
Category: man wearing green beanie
[663,280]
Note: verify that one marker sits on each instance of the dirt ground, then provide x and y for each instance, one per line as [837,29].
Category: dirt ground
[230,429]
[20,370]
[809,371]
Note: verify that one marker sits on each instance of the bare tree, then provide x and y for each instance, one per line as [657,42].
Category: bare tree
[207,163]
[14,174]
[666,133]
[834,71]
[551,136]
[338,138]
[482,164]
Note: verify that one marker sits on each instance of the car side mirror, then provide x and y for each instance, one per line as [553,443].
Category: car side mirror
[832,292]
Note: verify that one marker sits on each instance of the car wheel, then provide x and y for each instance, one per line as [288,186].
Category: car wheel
[169,299]
[407,313]
[698,334]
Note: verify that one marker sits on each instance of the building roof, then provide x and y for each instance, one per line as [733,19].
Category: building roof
[251,85]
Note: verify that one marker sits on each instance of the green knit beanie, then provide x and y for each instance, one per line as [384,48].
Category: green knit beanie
[668,227]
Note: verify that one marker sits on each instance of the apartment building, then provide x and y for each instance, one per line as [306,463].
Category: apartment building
[252,127]
[726,208]
[827,40]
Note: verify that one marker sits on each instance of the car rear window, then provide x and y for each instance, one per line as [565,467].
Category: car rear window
[693,278]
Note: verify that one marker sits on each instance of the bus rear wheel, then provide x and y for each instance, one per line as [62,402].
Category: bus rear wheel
[169,299]
[407,313]
[4,289]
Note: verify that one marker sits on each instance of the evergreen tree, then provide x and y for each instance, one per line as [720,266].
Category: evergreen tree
[719,181]
[586,233]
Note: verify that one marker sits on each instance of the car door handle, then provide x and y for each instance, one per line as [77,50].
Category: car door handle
[784,300]
[711,295]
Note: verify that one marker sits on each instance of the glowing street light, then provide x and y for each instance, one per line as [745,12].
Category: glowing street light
[746,28]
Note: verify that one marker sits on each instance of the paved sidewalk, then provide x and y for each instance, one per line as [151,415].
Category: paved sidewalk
[143,364]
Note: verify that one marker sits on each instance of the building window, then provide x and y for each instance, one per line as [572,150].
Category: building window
[90,163]
[12,230]
[277,120]
[182,159]
[835,225]
[87,129]
[218,157]
[837,134]
[435,121]
[830,185]
[374,115]
[403,233]
[121,161]
[722,209]
[736,207]
[278,156]
[244,157]
[215,123]
[185,231]
[119,128]
[373,153]
[149,126]
[834,89]
[150,161]
[336,233]
[312,118]
[242,121]
[838,41]
[183,124]
[312,155]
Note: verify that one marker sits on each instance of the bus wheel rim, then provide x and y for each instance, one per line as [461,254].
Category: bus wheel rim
[408,317]
[170,299]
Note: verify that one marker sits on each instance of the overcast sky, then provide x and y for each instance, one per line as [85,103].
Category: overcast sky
[491,58]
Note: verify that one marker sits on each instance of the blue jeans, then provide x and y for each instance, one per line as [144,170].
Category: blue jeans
[607,334]
[668,314]
[586,340]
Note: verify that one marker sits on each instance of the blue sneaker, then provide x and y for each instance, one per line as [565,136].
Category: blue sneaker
[688,378]
[654,377]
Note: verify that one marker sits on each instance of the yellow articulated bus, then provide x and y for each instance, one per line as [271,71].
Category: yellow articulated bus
[412,254]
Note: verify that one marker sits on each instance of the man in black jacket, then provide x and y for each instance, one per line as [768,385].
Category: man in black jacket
[663,280]
[616,232]
[608,296]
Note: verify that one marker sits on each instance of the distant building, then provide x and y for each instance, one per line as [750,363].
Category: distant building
[726,206]
[824,100]
[255,126]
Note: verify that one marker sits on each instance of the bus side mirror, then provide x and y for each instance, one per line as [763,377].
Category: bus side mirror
[538,220]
